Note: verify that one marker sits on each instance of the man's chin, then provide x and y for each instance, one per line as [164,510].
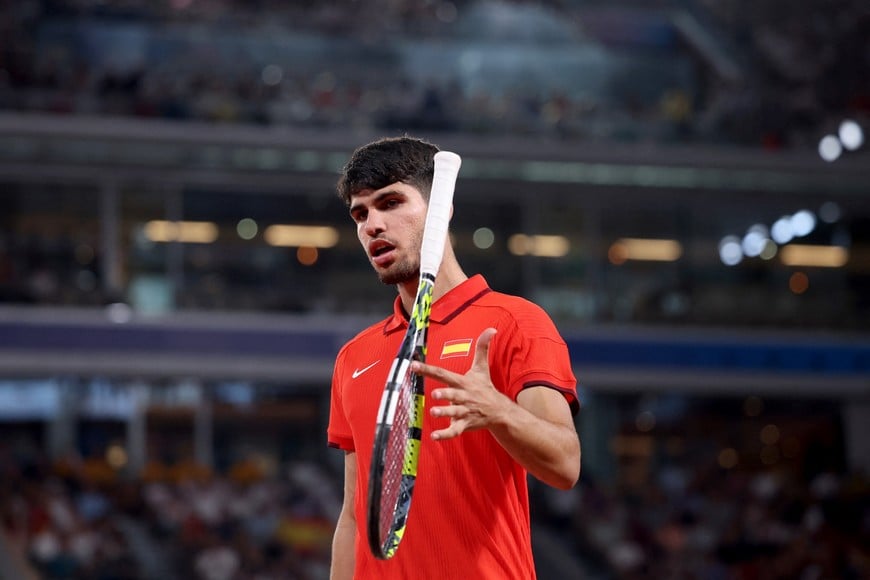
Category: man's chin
[400,276]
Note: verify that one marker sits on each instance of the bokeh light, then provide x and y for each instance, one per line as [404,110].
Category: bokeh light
[781,231]
[728,458]
[307,255]
[730,251]
[851,135]
[247,228]
[830,148]
[272,75]
[768,251]
[483,238]
[754,240]
[803,223]
[769,434]
[830,212]
[798,283]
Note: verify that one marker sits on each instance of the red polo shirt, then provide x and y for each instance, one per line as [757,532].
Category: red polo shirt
[470,512]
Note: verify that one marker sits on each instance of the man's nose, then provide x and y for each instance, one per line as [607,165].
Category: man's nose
[374,223]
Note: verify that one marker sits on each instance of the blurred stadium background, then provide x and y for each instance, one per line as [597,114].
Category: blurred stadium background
[682,184]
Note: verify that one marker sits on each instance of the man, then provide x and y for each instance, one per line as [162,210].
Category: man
[500,394]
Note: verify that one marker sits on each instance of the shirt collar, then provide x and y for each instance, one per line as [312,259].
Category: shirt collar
[446,307]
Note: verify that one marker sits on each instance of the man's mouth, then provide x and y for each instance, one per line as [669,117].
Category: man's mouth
[381,252]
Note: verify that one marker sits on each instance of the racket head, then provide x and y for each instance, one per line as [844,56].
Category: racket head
[399,426]
[398,434]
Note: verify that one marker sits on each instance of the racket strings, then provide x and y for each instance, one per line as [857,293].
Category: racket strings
[394,493]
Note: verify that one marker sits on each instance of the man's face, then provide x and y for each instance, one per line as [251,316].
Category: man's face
[389,225]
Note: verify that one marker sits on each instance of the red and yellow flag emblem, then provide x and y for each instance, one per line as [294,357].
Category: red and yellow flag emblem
[455,348]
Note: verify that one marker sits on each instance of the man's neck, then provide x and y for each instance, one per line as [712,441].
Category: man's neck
[449,277]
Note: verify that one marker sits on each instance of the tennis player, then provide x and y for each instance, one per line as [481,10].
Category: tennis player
[500,395]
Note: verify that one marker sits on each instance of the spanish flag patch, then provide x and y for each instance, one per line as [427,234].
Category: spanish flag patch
[455,348]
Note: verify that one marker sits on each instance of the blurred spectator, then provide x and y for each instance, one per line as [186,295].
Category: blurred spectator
[787,91]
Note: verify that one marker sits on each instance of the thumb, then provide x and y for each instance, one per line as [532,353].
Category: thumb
[481,351]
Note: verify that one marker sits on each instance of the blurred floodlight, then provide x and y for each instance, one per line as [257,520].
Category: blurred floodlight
[551,246]
[830,148]
[782,231]
[768,251]
[246,228]
[803,222]
[116,456]
[728,458]
[188,232]
[307,255]
[754,240]
[814,256]
[540,245]
[830,212]
[798,283]
[483,238]
[730,251]
[645,249]
[298,236]
[851,135]
[119,313]
[272,75]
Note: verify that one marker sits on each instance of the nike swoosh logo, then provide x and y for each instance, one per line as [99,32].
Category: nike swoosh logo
[358,372]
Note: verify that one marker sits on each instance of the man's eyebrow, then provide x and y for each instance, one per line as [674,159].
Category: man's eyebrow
[378,197]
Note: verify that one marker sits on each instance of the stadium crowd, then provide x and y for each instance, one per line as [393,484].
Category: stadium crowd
[705,523]
[67,57]
[83,520]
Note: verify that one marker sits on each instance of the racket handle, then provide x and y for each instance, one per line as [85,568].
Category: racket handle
[438,215]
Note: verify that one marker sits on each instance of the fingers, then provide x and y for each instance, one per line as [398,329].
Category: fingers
[433,372]
[462,392]
[448,433]
[480,361]
[456,428]
[455,396]
[481,351]
[451,411]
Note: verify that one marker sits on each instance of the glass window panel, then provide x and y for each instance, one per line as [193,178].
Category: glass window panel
[49,244]
[147,276]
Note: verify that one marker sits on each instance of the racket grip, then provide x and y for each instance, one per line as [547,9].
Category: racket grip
[438,215]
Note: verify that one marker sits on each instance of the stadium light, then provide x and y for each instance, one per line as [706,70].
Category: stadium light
[645,249]
[186,232]
[541,246]
[814,256]
[301,236]
[851,135]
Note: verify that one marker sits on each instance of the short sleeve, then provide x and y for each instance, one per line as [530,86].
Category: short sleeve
[338,432]
[528,351]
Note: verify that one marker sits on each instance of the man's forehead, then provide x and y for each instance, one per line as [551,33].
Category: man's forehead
[397,188]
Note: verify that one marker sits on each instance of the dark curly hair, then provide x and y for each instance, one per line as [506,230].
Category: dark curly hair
[386,161]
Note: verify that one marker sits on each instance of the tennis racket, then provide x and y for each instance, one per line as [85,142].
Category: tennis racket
[400,415]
